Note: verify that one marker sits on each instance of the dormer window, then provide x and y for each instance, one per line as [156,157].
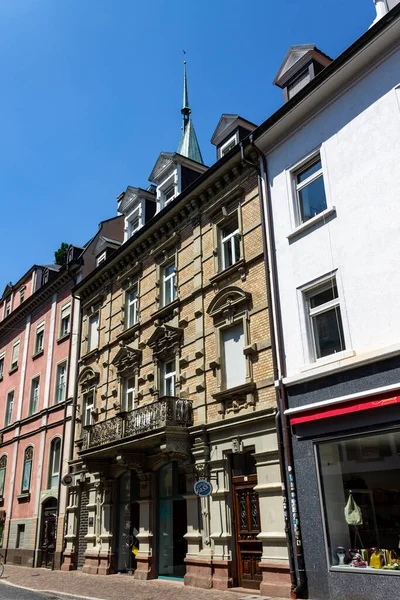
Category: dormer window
[169,194]
[227,147]
[101,258]
[134,221]
[168,189]
[298,83]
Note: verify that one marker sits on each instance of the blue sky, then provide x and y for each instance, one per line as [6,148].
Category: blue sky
[91,93]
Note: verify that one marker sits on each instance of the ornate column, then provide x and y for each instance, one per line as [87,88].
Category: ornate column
[221,528]
[145,564]
[71,550]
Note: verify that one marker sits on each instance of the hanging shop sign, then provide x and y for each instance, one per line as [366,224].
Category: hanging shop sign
[67,479]
[202,488]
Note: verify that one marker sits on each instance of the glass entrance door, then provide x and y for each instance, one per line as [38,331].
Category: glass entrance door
[172,523]
[127,521]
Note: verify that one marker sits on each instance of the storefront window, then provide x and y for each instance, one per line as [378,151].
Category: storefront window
[361,496]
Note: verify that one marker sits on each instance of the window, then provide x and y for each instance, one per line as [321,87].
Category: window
[129,394]
[34,401]
[21,295]
[101,258]
[363,474]
[227,147]
[168,378]
[20,541]
[61,382]
[9,408]
[8,307]
[131,307]
[1,366]
[15,356]
[88,408]
[169,193]
[65,321]
[168,284]
[39,342]
[3,467]
[234,362]
[27,472]
[93,332]
[298,83]
[325,321]
[310,190]
[54,463]
[134,221]
[230,244]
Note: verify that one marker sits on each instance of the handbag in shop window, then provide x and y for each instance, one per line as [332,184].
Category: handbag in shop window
[352,512]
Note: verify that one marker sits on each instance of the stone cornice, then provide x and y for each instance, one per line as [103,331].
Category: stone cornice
[179,212]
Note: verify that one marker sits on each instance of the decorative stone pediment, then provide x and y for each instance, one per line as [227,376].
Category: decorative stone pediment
[164,162]
[229,302]
[127,360]
[7,291]
[88,378]
[165,340]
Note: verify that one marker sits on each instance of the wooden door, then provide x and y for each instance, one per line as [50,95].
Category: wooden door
[49,535]
[247,526]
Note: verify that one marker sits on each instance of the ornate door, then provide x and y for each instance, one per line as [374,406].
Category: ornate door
[49,533]
[247,525]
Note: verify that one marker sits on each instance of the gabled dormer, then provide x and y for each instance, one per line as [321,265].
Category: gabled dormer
[171,174]
[104,248]
[231,129]
[301,64]
[137,206]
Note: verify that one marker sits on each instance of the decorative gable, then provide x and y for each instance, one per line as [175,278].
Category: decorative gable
[160,169]
[127,361]
[228,303]
[165,340]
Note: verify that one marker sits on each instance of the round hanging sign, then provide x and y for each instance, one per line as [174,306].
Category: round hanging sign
[67,479]
[202,488]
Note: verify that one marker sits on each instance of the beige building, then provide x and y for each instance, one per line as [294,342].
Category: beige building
[175,384]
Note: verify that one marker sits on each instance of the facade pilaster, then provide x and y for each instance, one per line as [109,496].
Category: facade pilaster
[146,568]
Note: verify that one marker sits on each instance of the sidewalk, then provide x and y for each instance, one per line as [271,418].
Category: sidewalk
[111,587]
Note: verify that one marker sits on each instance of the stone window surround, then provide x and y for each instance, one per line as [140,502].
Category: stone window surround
[166,348]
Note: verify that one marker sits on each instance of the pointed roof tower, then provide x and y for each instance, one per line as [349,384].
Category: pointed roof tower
[188,144]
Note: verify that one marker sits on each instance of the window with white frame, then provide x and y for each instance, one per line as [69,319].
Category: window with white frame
[2,357]
[168,284]
[88,408]
[22,295]
[129,394]
[8,307]
[27,470]
[3,468]
[233,359]
[310,189]
[93,332]
[227,147]
[54,463]
[169,193]
[39,340]
[9,408]
[61,382]
[168,378]
[101,258]
[230,244]
[324,319]
[65,320]
[131,307]
[15,355]
[134,221]
[34,399]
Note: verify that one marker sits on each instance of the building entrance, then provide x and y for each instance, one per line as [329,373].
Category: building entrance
[172,522]
[247,521]
[127,521]
[49,532]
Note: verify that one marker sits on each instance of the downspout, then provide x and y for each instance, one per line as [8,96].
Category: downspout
[296,560]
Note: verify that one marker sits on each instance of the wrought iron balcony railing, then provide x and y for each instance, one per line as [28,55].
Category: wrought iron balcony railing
[168,411]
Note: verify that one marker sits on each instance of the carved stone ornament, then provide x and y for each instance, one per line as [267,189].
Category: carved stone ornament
[3,461]
[127,361]
[229,302]
[88,378]
[165,341]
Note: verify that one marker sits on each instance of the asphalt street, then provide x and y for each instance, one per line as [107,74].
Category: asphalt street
[8,592]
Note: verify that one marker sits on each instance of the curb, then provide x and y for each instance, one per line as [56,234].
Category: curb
[52,592]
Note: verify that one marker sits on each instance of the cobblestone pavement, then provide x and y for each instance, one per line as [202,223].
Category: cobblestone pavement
[111,587]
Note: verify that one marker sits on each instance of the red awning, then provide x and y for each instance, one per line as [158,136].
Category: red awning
[352,406]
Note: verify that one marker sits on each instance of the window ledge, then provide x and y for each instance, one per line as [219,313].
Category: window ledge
[240,266]
[369,570]
[37,354]
[13,369]
[24,497]
[238,390]
[129,333]
[327,360]
[166,310]
[63,337]
[325,214]
[89,354]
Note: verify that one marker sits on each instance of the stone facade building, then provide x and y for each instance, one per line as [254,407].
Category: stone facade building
[175,384]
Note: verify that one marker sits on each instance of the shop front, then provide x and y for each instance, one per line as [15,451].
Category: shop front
[347,461]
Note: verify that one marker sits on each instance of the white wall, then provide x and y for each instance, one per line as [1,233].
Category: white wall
[359,135]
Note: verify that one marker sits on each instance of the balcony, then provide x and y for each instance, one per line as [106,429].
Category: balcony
[166,412]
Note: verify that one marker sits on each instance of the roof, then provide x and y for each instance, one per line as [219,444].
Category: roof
[188,144]
[228,123]
[295,58]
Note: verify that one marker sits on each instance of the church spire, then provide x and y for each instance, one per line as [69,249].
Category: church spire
[188,144]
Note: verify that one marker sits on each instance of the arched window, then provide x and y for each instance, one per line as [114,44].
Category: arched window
[54,463]
[3,467]
[27,473]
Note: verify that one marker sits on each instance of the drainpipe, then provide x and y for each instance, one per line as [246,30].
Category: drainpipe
[296,560]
